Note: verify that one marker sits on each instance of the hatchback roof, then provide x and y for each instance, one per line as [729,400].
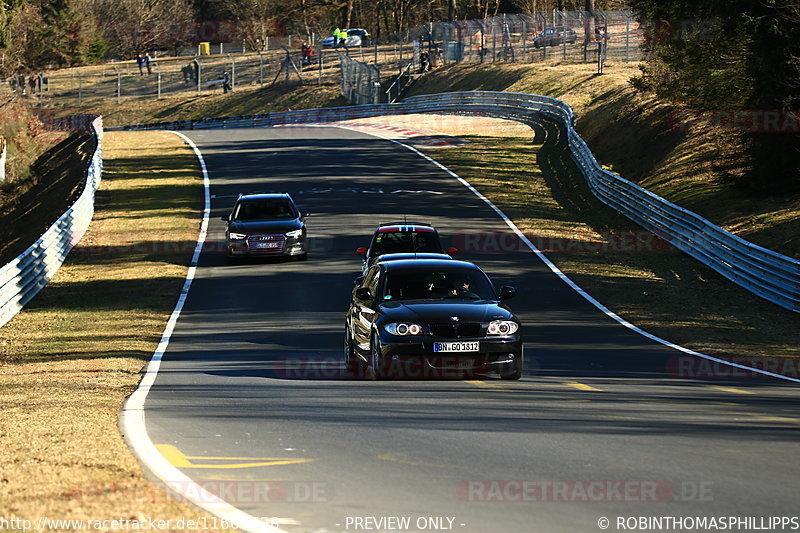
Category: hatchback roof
[411,255]
[403,264]
[264,195]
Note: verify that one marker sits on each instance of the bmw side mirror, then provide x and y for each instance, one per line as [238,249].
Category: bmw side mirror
[363,293]
[507,292]
[361,251]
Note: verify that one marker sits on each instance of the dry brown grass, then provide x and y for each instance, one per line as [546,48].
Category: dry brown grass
[666,293]
[68,361]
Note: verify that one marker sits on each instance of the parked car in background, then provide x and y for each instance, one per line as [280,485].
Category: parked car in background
[355,37]
[555,36]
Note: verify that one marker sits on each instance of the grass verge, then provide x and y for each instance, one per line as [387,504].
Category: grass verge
[243,101]
[70,358]
[533,180]
[644,140]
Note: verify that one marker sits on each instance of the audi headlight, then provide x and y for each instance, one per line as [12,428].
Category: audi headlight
[403,329]
[236,236]
[502,327]
[294,233]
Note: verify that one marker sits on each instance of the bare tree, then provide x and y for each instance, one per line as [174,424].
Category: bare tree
[135,26]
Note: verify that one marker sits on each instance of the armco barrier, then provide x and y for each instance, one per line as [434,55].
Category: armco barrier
[764,272]
[25,276]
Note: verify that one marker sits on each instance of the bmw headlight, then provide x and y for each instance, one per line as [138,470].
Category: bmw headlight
[294,233]
[502,327]
[403,329]
[236,236]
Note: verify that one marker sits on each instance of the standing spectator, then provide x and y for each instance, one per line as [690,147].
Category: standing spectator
[33,82]
[343,36]
[21,82]
[226,82]
[336,37]
[147,63]
[140,64]
[308,53]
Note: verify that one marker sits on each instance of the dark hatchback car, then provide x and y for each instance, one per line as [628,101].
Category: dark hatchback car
[267,224]
[403,237]
[431,317]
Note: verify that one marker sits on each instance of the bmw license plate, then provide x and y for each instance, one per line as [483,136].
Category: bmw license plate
[263,245]
[456,346]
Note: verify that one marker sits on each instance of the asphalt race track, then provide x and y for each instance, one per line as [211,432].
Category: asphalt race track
[252,394]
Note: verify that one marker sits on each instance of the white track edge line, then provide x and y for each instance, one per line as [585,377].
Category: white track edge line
[132,416]
[563,276]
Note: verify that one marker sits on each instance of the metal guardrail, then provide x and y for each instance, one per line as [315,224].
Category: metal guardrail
[29,272]
[764,272]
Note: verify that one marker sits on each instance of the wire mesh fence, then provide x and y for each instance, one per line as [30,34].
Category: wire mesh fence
[571,37]
[361,82]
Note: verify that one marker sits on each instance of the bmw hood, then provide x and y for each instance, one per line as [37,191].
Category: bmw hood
[427,311]
[265,226]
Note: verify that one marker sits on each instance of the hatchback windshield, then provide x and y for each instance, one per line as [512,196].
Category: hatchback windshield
[404,242]
[264,209]
[423,284]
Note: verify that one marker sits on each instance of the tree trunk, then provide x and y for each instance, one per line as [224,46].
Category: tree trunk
[588,23]
[349,13]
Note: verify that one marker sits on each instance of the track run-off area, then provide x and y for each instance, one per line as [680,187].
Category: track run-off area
[251,401]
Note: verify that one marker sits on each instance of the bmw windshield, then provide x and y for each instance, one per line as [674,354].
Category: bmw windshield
[440,283]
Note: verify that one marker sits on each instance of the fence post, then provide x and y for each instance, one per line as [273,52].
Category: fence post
[80,87]
[233,71]
[199,72]
[3,160]
[627,36]
[119,83]
[494,42]
[158,72]
[524,40]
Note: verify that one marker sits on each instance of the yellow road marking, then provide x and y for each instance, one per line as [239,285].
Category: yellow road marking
[485,385]
[179,459]
[393,457]
[730,389]
[519,385]
[581,386]
[773,418]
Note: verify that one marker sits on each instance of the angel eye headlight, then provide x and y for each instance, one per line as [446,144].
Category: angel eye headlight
[502,327]
[403,329]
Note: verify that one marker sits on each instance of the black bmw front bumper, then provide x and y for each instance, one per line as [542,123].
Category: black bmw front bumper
[408,353]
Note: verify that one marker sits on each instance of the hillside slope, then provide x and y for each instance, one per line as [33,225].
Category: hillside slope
[644,140]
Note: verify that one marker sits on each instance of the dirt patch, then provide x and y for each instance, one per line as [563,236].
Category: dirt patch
[57,179]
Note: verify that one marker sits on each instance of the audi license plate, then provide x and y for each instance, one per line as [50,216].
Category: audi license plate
[276,244]
[456,346]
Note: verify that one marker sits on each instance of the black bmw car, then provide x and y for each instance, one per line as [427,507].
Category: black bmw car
[431,317]
[266,224]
